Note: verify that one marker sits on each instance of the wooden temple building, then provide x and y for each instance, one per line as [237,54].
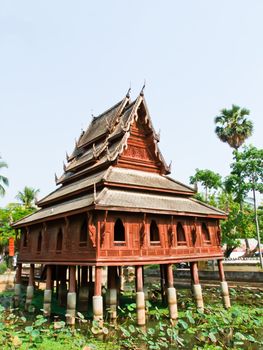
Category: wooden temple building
[116,206]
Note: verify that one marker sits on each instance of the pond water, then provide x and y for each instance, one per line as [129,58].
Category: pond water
[241,327]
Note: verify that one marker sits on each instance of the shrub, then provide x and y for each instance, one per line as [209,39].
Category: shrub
[3,267]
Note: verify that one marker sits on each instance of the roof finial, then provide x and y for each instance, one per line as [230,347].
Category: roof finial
[129,91]
[144,84]
[64,167]
[67,156]
[56,179]
[94,192]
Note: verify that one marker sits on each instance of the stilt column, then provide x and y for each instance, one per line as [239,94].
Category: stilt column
[197,290]
[224,285]
[171,293]
[30,287]
[48,292]
[18,285]
[62,287]
[140,299]
[112,291]
[97,301]
[83,290]
[71,298]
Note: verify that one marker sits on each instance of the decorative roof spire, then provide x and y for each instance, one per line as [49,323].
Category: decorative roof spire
[170,166]
[56,179]
[94,192]
[142,90]
[64,167]
[67,156]
[128,92]
[94,151]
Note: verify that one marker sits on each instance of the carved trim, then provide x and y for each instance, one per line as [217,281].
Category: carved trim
[45,234]
[103,228]
[219,235]
[194,232]
[171,234]
[143,231]
[67,234]
[91,229]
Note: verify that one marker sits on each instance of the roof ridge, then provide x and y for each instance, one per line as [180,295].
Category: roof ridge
[108,110]
[207,205]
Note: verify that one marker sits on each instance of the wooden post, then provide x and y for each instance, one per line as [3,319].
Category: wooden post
[83,290]
[171,293]
[71,298]
[97,301]
[30,287]
[112,292]
[197,290]
[48,292]
[17,295]
[90,287]
[162,282]
[224,285]
[62,288]
[140,299]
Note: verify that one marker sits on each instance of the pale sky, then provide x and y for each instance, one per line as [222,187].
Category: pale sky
[61,61]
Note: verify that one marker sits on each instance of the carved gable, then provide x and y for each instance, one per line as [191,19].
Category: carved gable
[140,151]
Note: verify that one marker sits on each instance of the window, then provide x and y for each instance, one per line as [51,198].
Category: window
[83,234]
[59,240]
[205,234]
[181,240]
[39,241]
[154,233]
[119,233]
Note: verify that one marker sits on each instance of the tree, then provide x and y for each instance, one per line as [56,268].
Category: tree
[28,197]
[3,180]
[233,127]
[11,213]
[247,175]
[208,179]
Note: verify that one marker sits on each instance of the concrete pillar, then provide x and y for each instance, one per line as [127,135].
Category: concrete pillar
[224,285]
[30,287]
[83,290]
[48,292]
[112,293]
[71,297]
[171,294]
[196,287]
[17,295]
[122,278]
[140,298]
[97,301]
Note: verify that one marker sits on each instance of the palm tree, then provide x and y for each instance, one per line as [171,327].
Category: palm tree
[28,197]
[3,180]
[233,127]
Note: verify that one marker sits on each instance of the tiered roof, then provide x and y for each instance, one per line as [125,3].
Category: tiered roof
[117,165]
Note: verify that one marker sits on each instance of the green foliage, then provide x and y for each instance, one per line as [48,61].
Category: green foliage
[3,267]
[3,180]
[247,170]
[11,213]
[207,178]
[215,328]
[233,127]
[27,197]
